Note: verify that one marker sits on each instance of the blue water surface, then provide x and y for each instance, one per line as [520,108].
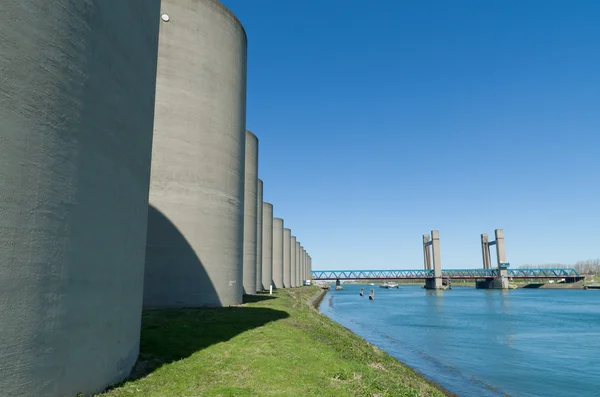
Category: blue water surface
[525,342]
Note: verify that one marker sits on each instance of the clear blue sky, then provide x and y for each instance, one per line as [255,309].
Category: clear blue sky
[378,123]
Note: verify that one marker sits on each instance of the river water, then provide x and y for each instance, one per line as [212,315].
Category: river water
[525,342]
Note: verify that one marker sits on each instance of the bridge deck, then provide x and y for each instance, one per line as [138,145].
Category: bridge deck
[464,274]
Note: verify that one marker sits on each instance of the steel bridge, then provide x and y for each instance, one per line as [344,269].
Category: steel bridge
[465,274]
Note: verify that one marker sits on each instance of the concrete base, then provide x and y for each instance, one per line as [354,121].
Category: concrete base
[496,283]
[434,283]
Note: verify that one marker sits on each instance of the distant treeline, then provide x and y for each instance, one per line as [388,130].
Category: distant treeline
[591,266]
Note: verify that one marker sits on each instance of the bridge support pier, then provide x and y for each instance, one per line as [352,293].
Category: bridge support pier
[431,249]
[500,282]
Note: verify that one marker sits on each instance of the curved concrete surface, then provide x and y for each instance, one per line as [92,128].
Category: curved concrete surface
[250,210]
[302,264]
[267,246]
[198,155]
[298,264]
[259,234]
[294,283]
[287,277]
[77,87]
[277,253]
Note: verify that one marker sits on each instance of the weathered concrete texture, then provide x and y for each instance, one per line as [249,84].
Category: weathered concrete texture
[485,251]
[267,246]
[298,264]
[302,268]
[500,250]
[259,234]
[294,282]
[426,252]
[287,277]
[434,243]
[495,283]
[197,182]
[76,112]
[306,270]
[250,210]
[277,253]
[306,265]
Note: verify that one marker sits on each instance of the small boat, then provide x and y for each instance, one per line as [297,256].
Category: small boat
[371,284]
[389,285]
[372,295]
[362,292]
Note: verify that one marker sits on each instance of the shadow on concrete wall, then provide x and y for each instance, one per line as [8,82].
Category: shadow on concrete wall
[170,335]
[174,276]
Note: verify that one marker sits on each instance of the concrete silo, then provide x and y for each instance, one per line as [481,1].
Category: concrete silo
[267,245]
[277,253]
[306,272]
[305,264]
[302,264]
[259,234]
[294,283]
[298,263]
[287,279]
[194,252]
[76,113]
[250,212]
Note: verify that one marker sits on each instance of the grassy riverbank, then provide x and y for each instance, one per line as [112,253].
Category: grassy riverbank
[271,346]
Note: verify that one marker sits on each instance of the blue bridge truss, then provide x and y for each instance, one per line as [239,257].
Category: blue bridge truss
[450,273]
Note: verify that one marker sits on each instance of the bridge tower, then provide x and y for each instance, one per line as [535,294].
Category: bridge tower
[501,281]
[431,249]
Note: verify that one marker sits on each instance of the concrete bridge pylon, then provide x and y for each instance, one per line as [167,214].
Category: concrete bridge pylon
[500,282]
[431,250]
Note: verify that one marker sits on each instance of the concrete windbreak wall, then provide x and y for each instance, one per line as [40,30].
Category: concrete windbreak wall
[259,235]
[278,252]
[267,246]
[287,277]
[250,210]
[194,254]
[76,113]
[298,264]
[294,282]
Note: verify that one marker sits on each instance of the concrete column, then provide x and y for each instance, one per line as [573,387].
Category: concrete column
[301,272]
[501,258]
[303,259]
[298,264]
[267,246]
[77,95]
[250,212]
[436,282]
[287,276]
[277,253]
[500,252]
[426,252]
[307,266]
[195,243]
[485,251]
[303,266]
[259,235]
[294,277]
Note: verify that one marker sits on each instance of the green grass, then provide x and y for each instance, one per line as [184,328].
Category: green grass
[268,347]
